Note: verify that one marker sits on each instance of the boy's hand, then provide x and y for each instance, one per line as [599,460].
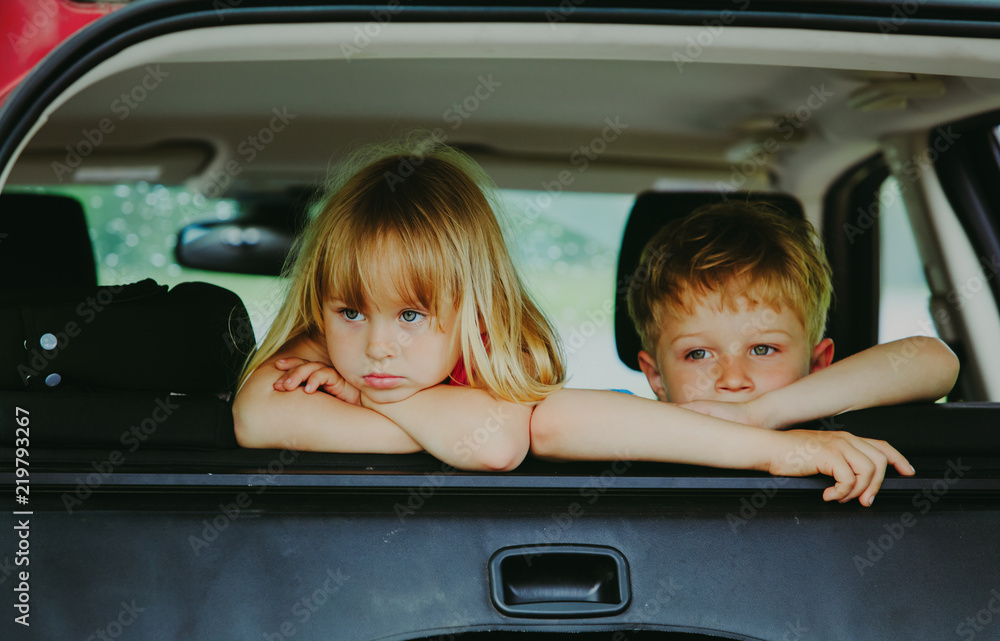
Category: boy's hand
[736,412]
[858,464]
[314,375]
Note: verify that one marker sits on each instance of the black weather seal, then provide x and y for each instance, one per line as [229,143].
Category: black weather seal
[851,210]
[968,167]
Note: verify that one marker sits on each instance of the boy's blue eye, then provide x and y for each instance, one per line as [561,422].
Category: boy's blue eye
[762,350]
[411,316]
[352,314]
[697,354]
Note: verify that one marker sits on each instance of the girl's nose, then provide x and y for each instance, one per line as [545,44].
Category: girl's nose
[382,342]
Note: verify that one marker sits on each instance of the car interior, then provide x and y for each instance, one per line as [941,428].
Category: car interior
[215,148]
[195,155]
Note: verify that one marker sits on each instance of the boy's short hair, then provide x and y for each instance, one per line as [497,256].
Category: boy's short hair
[735,249]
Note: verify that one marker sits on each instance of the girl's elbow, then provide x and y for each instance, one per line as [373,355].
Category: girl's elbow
[245,436]
[495,458]
[247,430]
[501,454]
[503,460]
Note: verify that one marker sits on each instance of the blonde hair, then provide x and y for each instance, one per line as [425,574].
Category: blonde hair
[423,210]
[734,249]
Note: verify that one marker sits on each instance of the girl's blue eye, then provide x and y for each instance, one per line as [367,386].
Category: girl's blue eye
[411,316]
[352,314]
[697,354]
[762,350]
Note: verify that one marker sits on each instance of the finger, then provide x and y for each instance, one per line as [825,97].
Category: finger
[289,363]
[294,377]
[844,476]
[880,460]
[325,377]
[869,469]
[344,391]
[893,456]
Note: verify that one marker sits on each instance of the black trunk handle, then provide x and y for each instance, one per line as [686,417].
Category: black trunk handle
[559,581]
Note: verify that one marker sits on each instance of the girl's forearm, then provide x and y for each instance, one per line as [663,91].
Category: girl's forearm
[318,422]
[601,425]
[919,368]
[464,427]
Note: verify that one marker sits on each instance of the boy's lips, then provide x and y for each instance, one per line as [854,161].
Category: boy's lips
[382,381]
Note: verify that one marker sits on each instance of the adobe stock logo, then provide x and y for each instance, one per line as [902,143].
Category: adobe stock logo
[978,621]
[122,106]
[891,533]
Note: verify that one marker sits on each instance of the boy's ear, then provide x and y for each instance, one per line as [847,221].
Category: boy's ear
[648,366]
[822,356]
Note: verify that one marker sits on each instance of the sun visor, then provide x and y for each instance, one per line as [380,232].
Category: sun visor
[171,164]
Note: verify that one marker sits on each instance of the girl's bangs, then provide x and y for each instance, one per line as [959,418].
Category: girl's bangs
[380,266]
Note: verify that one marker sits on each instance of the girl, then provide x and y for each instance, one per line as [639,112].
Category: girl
[406,313]
[403,282]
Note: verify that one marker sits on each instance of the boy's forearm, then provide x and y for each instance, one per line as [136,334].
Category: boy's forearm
[912,369]
[464,427]
[597,425]
[576,424]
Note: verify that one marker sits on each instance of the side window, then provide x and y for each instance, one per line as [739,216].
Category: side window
[566,248]
[133,228]
[905,296]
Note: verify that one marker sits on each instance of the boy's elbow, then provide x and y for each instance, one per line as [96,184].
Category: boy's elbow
[947,365]
[545,436]
[952,363]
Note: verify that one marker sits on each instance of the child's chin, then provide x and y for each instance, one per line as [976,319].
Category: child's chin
[725,398]
[393,395]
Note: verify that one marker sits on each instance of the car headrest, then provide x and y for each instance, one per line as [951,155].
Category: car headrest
[650,213]
[44,244]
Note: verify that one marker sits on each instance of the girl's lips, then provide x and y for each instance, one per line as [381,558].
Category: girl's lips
[382,381]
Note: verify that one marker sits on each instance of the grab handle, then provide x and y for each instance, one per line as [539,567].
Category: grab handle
[559,581]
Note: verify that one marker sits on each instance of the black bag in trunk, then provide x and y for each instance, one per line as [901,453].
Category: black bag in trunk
[192,338]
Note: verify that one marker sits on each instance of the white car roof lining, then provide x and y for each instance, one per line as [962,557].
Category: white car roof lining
[751,56]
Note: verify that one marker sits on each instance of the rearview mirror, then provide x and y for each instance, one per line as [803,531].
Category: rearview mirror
[243,247]
[256,241]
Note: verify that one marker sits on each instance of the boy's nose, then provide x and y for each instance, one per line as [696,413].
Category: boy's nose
[733,377]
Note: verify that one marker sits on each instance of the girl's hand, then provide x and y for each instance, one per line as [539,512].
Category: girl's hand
[314,375]
[858,464]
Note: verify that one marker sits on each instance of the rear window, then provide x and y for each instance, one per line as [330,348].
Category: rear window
[565,246]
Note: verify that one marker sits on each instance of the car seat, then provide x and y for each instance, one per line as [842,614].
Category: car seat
[651,211]
[44,244]
[93,364]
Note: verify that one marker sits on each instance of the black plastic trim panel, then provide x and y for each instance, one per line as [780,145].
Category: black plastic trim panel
[367,567]
[499,482]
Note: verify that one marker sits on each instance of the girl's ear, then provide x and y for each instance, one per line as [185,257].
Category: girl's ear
[822,356]
[648,366]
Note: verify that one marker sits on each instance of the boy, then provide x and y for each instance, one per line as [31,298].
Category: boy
[731,309]
[731,319]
